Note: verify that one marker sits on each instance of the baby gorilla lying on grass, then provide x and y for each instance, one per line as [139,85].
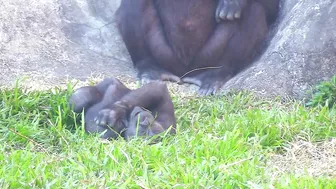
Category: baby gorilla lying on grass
[112,110]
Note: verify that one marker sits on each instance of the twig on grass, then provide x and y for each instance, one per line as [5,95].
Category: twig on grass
[234,163]
[30,140]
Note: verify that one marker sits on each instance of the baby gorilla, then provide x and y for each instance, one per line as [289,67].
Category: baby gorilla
[112,110]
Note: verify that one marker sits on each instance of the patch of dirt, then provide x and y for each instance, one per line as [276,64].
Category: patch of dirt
[305,158]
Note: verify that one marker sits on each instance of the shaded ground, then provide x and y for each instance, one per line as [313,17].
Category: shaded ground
[305,158]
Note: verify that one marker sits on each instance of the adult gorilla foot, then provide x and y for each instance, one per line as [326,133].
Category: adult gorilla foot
[155,74]
[209,85]
[229,9]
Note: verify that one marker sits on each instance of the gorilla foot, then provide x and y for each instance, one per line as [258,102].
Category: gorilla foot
[161,75]
[208,82]
[208,87]
[229,9]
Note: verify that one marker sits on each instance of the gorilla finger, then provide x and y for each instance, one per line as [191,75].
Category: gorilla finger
[230,16]
[224,11]
[218,20]
[218,10]
[236,10]
[216,89]
[102,117]
[200,92]
[210,91]
[223,14]
[97,120]
[104,120]
[203,90]
[237,14]
[101,120]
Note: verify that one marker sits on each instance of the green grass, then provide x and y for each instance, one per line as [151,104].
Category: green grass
[222,142]
[324,94]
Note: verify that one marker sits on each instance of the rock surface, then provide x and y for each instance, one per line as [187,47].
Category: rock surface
[301,53]
[50,41]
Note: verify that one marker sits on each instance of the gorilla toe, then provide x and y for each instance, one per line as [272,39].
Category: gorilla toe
[210,88]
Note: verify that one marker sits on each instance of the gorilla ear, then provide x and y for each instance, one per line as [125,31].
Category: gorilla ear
[141,116]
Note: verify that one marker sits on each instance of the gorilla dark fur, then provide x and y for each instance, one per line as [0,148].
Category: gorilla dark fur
[112,110]
[203,42]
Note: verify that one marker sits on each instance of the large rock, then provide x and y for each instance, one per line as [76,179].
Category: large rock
[49,41]
[301,53]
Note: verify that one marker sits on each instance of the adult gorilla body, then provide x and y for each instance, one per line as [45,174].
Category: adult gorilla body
[205,41]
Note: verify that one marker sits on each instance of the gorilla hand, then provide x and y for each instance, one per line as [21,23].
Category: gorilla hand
[113,119]
[229,9]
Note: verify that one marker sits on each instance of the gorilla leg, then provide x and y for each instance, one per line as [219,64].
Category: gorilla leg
[138,22]
[85,97]
[239,40]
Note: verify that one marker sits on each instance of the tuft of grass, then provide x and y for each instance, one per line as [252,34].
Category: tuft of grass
[324,94]
[222,142]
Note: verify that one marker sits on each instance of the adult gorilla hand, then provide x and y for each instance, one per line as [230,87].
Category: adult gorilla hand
[229,9]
